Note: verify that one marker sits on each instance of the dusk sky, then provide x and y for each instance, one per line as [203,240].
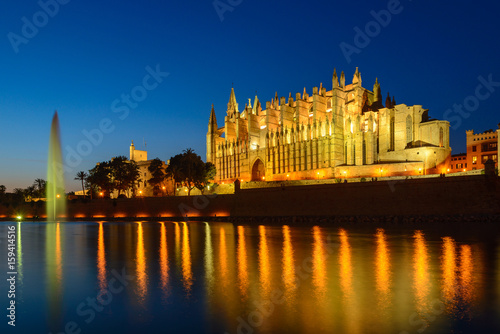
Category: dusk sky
[86,54]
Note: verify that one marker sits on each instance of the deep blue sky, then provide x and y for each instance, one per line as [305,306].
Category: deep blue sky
[90,52]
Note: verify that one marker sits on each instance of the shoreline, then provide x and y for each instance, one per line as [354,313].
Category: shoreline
[469,199]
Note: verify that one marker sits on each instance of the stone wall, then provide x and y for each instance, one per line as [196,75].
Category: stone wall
[433,196]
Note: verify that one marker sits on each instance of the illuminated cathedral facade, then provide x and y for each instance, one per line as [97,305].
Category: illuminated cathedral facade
[345,132]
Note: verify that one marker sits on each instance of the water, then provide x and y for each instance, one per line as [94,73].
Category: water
[56,202]
[163,277]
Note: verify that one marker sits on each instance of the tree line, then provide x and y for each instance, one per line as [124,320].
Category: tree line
[184,170]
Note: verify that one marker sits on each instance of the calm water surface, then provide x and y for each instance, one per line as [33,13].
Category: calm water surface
[164,277]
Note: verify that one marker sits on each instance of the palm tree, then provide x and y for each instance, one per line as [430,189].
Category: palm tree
[40,187]
[81,175]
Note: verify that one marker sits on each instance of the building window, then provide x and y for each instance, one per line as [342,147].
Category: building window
[474,148]
[474,160]
[459,166]
[494,157]
[441,137]
[484,158]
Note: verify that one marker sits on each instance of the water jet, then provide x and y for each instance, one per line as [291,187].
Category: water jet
[56,199]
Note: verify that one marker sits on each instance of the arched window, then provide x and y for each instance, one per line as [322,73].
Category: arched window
[441,137]
[409,129]
[392,135]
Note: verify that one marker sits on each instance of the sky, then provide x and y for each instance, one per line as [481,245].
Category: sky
[118,71]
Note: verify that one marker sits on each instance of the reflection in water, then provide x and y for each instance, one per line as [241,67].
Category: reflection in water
[319,276]
[141,265]
[288,266]
[264,263]
[466,272]
[351,312]
[383,270]
[19,257]
[177,232]
[54,272]
[372,283]
[449,267]
[209,259]
[242,263]
[163,259]
[421,272]
[101,260]
[223,258]
[187,273]
[345,265]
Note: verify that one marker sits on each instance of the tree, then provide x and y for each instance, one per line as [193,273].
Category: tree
[209,172]
[100,176]
[40,186]
[29,193]
[2,189]
[81,175]
[157,174]
[186,169]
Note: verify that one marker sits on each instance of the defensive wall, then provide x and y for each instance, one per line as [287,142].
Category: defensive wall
[460,195]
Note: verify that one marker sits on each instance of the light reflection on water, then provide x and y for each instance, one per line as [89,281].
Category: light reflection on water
[217,277]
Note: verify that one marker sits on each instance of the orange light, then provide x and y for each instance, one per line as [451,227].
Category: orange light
[101,194]
[241,180]
[140,191]
[464,169]
[163,188]
[263,178]
[448,170]
[287,175]
[58,196]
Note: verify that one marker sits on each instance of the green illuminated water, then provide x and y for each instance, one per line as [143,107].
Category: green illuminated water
[56,202]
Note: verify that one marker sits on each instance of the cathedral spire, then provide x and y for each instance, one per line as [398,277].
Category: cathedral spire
[388,103]
[342,79]
[232,104]
[212,123]
[335,80]
[356,79]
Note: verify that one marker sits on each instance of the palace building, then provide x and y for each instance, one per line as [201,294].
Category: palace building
[344,132]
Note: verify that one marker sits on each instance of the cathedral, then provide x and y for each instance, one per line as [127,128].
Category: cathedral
[341,133]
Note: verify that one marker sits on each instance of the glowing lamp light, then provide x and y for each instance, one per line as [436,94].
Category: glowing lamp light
[101,194]
[58,196]
[287,175]
[464,169]
[163,188]
[263,178]
[19,217]
[448,170]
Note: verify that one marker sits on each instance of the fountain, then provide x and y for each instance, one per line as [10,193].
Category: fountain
[56,200]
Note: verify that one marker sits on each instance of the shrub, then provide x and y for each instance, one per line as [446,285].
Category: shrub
[363,179]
